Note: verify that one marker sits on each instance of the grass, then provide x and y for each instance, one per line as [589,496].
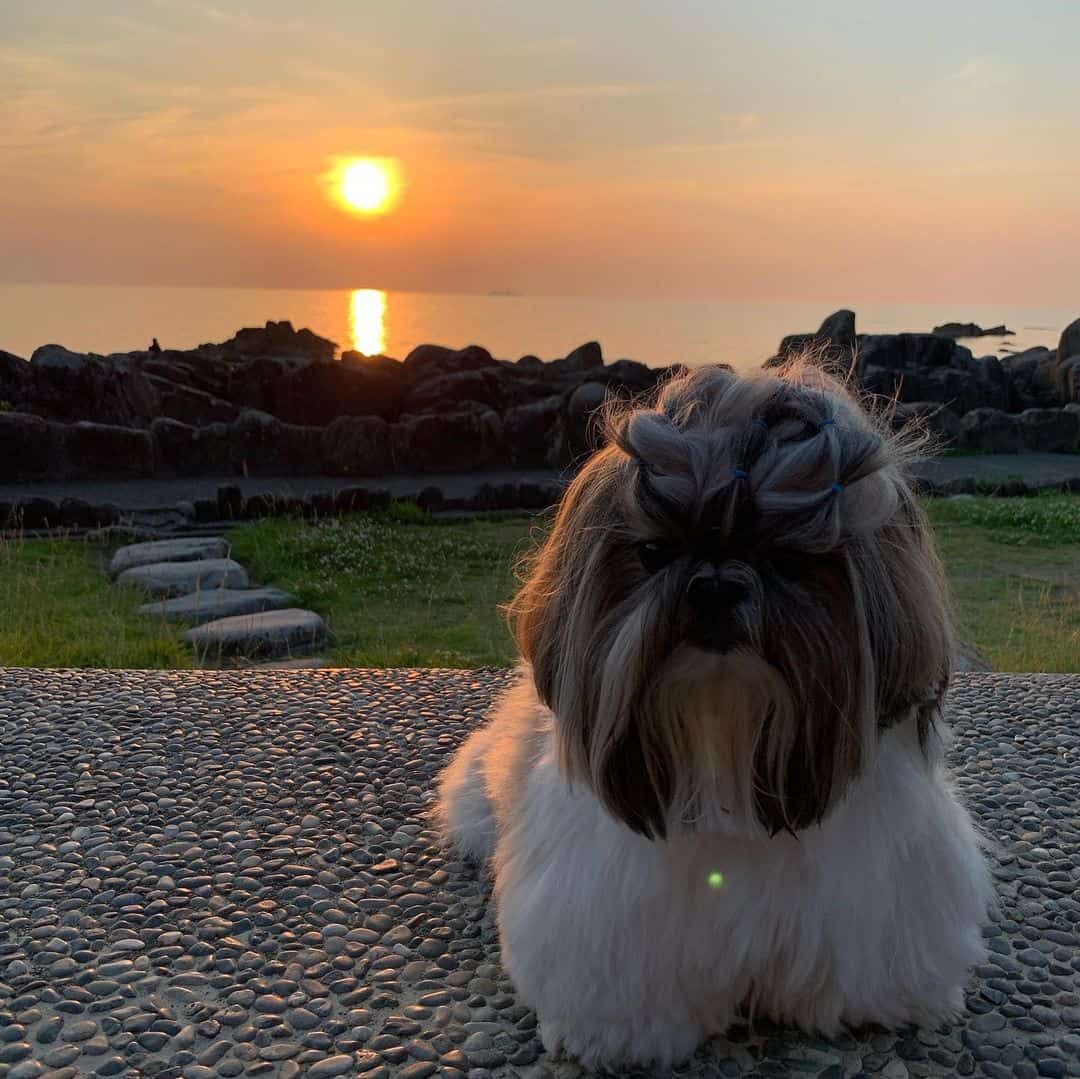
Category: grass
[403,589]
[1014,568]
[397,589]
[59,610]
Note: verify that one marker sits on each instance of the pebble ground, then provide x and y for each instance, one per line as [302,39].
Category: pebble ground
[210,874]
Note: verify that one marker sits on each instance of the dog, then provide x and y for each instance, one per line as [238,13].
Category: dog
[717,789]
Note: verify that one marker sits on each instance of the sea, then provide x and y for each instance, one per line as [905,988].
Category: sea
[112,318]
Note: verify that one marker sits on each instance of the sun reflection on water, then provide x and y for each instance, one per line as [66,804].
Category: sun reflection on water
[367,320]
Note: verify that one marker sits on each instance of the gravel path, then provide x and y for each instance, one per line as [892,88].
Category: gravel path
[221,874]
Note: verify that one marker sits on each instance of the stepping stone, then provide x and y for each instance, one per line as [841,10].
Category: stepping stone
[271,633]
[180,578]
[173,550]
[201,607]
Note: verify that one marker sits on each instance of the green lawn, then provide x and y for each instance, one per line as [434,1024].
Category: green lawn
[397,589]
[402,589]
[59,610]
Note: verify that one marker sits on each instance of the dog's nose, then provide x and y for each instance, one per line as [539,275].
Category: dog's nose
[707,593]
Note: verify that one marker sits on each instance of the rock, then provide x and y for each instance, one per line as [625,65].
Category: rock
[79,513]
[100,451]
[184,450]
[426,361]
[629,375]
[498,388]
[181,578]
[939,421]
[582,431]
[69,386]
[1050,430]
[14,375]
[279,339]
[188,549]
[966,657]
[190,405]
[970,329]
[912,351]
[991,431]
[30,448]
[452,442]
[356,446]
[36,513]
[318,395]
[531,433]
[261,443]
[1068,380]
[1032,375]
[832,345]
[586,357]
[1069,342]
[270,633]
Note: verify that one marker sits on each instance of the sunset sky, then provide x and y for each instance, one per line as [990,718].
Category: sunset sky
[733,150]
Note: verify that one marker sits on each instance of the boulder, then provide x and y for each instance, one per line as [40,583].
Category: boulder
[532,433]
[1069,342]
[912,351]
[183,450]
[448,442]
[67,386]
[186,549]
[498,388]
[629,375]
[189,405]
[1031,374]
[586,357]
[79,513]
[270,633]
[30,448]
[1050,430]
[941,423]
[426,361]
[582,431]
[832,345]
[182,578]
[261,443]
[356,446]
[318,395]
[100,451]
[1068,380]
[35,513]
[199,607]
[991,431]
[14,375]
[279,339]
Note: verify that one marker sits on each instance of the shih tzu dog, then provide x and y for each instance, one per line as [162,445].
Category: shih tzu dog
[718,788]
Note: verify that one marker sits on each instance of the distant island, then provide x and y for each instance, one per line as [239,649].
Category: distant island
[957,330]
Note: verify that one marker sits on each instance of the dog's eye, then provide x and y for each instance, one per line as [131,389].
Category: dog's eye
[655,556]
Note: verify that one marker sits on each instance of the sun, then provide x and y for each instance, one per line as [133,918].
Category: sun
[367,185]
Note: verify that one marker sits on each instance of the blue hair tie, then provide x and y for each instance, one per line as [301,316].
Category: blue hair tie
[836,488]
[826,423]
[739,474]
[759,422]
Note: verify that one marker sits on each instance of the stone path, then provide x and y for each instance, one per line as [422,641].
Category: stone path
[215,873]
[193,580]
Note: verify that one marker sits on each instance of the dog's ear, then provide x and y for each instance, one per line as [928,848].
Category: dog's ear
[909,621]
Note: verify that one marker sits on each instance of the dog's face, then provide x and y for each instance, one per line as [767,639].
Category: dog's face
[738,591]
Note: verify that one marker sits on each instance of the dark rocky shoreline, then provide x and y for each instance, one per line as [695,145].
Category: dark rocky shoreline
[276,401]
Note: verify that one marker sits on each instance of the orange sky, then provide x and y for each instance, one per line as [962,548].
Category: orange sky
[777,150]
